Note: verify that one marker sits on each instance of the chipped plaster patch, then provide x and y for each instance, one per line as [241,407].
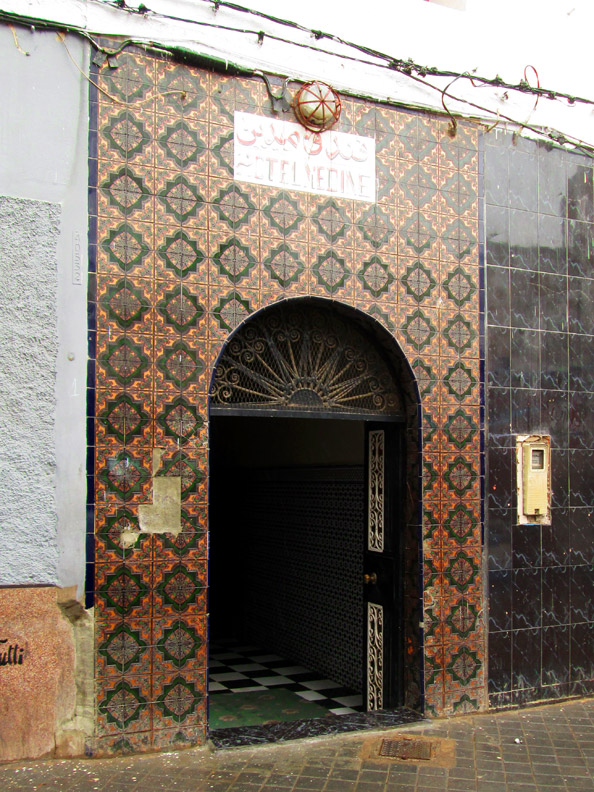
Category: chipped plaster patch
[164,514]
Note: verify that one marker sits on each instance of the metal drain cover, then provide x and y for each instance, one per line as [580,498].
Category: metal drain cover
[406,748]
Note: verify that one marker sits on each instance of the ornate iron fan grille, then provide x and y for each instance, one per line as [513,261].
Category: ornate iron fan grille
[303,359]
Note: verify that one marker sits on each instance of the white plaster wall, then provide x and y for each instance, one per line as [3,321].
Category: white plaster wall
[28,343]
[43,181]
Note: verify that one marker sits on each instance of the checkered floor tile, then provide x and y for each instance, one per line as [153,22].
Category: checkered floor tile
[242,668]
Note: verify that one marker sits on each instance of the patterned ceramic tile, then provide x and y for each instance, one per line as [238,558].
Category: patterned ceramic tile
[123,476]
[374,227]
[464,665]
[124,594]
[461,429]
[332,220]
[126,137]
[188,546]
[180,308]
[177,366]
[184,255]
[460,289]
[472,700]
[420,330]
[228,310]
[125,248]
[458,239]
[461,526]
[220,160]
[458,193]
[460,475]
[233,261]
[126,193]
[179,645]
[124,648]
[180,199]
[433,624]
[123,420]
[110,522]
[418,188]
[462,618]
[119,743]
[460,381]
[180,253]
[191,468]
[125,360]
[386,186]
[376,276]
[434,680]
[131,81]
[284,265]
[332,273]
[125,305]
[176,84]
[179,699]
[175,597]
[180,146]
[459,335]
[182,736]
[236,207]
[419,280]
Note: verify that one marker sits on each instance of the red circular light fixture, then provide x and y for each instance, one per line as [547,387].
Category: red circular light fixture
[317,106]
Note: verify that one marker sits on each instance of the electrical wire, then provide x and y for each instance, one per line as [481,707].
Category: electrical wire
[111,97]
[411,70]
[398,64]
[16,41]
[62,38]
[554,135]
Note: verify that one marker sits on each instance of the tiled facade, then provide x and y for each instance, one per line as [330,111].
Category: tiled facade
[540,329]
[182,255]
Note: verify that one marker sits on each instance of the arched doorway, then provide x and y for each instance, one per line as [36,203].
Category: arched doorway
[311,406]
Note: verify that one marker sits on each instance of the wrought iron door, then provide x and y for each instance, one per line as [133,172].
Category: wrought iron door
[381,581]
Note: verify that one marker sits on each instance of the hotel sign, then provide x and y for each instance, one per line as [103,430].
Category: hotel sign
[281,154]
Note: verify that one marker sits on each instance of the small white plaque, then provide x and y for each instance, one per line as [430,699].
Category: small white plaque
[282,154]
[77,277]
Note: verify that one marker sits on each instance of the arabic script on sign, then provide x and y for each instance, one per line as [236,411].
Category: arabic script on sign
[281,154]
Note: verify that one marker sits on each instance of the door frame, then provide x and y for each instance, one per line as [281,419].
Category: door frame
[391,564]
[407,677]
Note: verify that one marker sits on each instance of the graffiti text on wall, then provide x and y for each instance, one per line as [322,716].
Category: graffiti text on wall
[11,654]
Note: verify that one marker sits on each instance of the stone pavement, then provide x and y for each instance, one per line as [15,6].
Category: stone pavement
[542,748]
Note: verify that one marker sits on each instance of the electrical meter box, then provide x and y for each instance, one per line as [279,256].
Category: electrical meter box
[534,478]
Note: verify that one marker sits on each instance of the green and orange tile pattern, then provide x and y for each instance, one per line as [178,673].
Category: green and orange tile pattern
[184,254]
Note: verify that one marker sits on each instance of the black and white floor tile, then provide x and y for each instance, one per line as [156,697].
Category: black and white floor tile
[241,668]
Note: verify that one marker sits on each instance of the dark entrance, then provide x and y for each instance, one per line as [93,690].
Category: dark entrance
[306,440]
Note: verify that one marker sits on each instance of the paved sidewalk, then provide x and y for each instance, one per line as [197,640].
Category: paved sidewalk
[549,748]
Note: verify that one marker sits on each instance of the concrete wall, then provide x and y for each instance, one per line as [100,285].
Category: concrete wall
[43,175]
[46,641]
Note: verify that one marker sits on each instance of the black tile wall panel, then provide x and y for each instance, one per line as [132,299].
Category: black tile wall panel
[540,378]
